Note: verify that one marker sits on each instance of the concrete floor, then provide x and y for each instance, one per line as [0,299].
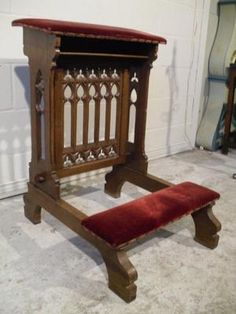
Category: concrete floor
[47,269]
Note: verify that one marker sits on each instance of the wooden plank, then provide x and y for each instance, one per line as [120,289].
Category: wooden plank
[124,123]
[101,54]
[146,181]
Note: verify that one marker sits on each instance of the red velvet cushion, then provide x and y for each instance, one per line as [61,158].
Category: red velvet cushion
[89,30]
[126,222]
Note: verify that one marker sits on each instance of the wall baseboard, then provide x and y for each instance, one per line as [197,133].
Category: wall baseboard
[13,188]
[169,150]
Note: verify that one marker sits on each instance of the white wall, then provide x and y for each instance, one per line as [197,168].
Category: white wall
[211,32]
[176,79]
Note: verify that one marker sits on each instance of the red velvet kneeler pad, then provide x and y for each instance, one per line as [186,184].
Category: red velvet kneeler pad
[131,220]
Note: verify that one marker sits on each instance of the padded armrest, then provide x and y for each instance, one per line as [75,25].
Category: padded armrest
[89,30]
[129,221]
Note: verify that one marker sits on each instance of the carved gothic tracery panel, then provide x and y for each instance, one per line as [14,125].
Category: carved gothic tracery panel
[91,106]
[40,115]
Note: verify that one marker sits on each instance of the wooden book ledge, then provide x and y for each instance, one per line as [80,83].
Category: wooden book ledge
[89,91]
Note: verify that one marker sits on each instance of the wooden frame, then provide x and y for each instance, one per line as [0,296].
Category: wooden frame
[58,61]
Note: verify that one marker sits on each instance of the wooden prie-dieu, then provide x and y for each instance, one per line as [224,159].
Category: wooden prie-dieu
[85,81]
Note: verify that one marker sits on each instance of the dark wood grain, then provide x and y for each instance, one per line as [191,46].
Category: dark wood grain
[207,226]
[58,60]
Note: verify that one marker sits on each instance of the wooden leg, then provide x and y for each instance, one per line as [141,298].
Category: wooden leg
[32,211]
[120,174]
[114,183]
[121,274]
[206,226]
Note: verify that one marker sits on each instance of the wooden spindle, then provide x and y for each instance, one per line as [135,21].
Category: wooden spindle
[97,115]
[73,116]
[108,117]
[86,117]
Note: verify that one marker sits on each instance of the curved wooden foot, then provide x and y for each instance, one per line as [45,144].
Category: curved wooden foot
[121,275]
[206,226]
[32,211]
[114,183]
